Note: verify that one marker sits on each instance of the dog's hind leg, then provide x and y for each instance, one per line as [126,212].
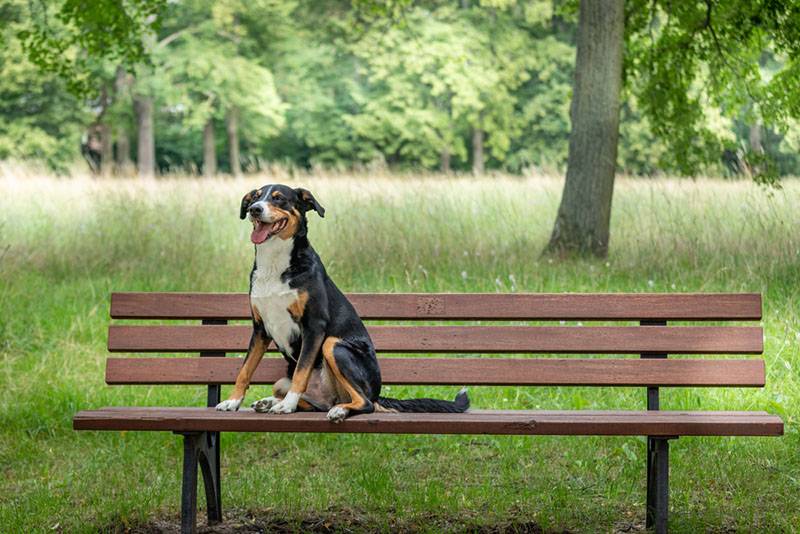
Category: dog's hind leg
[279,390]
[308,402]
[351,380]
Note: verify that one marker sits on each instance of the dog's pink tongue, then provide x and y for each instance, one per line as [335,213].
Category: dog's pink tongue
[260,233]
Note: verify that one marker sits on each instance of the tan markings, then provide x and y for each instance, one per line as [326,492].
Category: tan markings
[292,224]
[304,405]
[297,308]
[258,193]
[300,379]
[275,194]
[381,409]
[292,221]
[256,315]
[248,368]
[356,400]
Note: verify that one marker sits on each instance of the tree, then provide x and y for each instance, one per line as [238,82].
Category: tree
[39,119]
[582,223]
[436,81]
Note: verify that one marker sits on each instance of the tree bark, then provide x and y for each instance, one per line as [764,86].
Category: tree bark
[122,84]
[123,152]
[146,158]
[106,149]
[477,151]
[755,138]
[209,150]
[444,161]
[232,125]
[582,223]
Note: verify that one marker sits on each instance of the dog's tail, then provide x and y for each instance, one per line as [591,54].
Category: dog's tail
[459,405]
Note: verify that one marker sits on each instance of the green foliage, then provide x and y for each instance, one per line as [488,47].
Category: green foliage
[64,37]
[688,59]
[39,119]
[344,83]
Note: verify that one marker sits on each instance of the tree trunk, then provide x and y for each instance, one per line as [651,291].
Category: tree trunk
[146,159]
[477,151]
[232,125]
[122,85]
[209,150]
[582,222]
[444,164]
[755,138]
[123,152]
[106,149]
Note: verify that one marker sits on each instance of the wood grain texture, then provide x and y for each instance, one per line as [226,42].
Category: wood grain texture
[462,371]
[467,339]
[466,306]
[522,422]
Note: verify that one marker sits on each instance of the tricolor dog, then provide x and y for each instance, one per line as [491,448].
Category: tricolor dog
[331,359]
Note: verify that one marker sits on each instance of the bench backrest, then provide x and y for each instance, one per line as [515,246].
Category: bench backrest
[644,332]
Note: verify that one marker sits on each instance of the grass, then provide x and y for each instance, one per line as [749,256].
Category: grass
[65,244]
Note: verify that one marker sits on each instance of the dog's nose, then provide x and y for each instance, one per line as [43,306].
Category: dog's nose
[256,211]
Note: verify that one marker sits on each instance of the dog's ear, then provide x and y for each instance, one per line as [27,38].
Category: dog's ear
[308,202]
[246,201]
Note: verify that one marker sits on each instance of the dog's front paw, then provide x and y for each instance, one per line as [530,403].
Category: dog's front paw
[283,407]
[337,414]
[287,405]
[230,405]
[264,404]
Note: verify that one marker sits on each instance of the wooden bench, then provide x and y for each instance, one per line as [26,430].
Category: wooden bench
[646,335]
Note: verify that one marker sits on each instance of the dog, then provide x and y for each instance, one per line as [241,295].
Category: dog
[331,361]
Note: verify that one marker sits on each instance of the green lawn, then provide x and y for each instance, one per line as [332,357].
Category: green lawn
[66,244]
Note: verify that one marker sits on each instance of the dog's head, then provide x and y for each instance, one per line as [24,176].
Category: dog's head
[278,210]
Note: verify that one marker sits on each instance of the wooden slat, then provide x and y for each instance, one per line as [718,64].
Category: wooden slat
[462,371]
[617,423]
[466,306]
[467,339]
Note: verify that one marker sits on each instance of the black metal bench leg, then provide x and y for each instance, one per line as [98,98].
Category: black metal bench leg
[657,484]
[209,463]
[189,485]
[200,449]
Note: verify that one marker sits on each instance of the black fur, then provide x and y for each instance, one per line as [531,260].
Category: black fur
[459,405]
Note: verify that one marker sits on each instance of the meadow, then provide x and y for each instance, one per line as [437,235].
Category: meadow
[66,243]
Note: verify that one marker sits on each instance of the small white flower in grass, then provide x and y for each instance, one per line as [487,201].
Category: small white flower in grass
[550,261]
[562,323]
[580,323]
[650,283]
[608,264]
[673,286]
[463,275]
[466,253]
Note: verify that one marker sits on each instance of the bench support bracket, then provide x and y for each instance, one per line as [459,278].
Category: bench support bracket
[200,448]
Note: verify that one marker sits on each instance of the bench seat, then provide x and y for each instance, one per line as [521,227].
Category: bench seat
[513,422]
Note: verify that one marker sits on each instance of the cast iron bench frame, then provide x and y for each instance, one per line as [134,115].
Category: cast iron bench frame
[650,338]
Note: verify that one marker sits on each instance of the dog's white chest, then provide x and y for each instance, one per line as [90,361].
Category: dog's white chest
[271,297]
